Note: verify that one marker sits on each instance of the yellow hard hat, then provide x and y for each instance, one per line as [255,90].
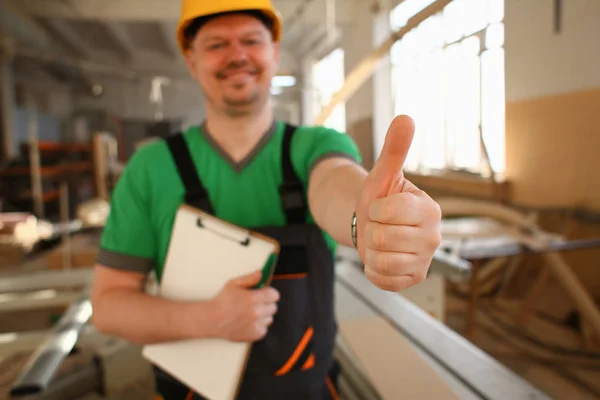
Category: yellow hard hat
[192,9]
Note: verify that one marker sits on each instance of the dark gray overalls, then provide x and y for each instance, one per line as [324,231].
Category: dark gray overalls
[294,361]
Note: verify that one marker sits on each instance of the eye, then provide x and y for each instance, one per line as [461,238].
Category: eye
[214,46]
[252,42]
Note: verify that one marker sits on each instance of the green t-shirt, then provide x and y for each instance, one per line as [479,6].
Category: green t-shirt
[146,197]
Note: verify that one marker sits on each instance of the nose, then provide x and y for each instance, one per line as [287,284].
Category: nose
[237,51]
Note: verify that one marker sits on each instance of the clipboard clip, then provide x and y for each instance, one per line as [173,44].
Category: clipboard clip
[245,242]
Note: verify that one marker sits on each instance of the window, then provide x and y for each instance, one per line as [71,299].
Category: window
[448,75]
[328,78]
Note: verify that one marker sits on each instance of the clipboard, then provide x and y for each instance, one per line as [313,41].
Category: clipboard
[204,253]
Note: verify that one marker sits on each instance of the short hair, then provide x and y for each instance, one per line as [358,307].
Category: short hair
[191,30]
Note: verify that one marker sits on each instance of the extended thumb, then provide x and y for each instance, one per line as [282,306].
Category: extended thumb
[397,144]
[248,280]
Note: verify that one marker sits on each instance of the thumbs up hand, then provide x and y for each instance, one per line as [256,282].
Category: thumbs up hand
[398,225]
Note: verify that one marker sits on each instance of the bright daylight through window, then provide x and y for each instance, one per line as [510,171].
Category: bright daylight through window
[328,78]
[448,74]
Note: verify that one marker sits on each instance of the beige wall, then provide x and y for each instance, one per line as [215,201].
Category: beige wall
[553,98]
[553,150]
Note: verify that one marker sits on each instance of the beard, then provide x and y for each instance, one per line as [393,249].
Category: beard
[242,101]
[235,99]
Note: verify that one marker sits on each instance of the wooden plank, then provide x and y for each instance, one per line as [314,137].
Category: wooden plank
[473,301]
[555,383]
[583,301]
[533,297]
[463,207]
[349,306]
[367,66]
[36,300]
[44,279]
[590,339]
[16,342]
[453,183]
[550,332]
[530,348]
[393,366]
[490,274]
[100,166]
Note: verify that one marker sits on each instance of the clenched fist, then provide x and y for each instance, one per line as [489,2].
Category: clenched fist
[398,225]
[243,313]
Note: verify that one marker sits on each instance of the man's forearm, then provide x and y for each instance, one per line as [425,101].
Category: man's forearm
[333,196]
[144,319]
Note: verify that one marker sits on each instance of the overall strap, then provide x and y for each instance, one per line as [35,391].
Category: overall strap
[195,193]
[291,190]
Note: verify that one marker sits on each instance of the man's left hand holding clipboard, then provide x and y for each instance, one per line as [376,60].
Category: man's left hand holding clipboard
[245,315]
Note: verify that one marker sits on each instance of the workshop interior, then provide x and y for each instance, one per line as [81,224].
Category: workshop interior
[505,95]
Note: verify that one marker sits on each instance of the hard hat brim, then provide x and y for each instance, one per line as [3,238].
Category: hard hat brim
[273,15]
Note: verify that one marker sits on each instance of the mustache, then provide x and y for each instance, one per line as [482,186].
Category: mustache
[235,67]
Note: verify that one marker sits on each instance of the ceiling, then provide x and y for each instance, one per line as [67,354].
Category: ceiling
[78,40]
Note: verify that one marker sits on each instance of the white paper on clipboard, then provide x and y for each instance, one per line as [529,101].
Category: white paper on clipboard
[204,254]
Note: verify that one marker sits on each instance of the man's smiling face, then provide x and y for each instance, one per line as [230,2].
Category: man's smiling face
[234,58]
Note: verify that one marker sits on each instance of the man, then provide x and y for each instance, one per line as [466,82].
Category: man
[301,185]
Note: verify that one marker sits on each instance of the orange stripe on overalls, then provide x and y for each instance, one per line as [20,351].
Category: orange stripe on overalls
[296,354]
[334,395]
[289,276]
[310,362]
